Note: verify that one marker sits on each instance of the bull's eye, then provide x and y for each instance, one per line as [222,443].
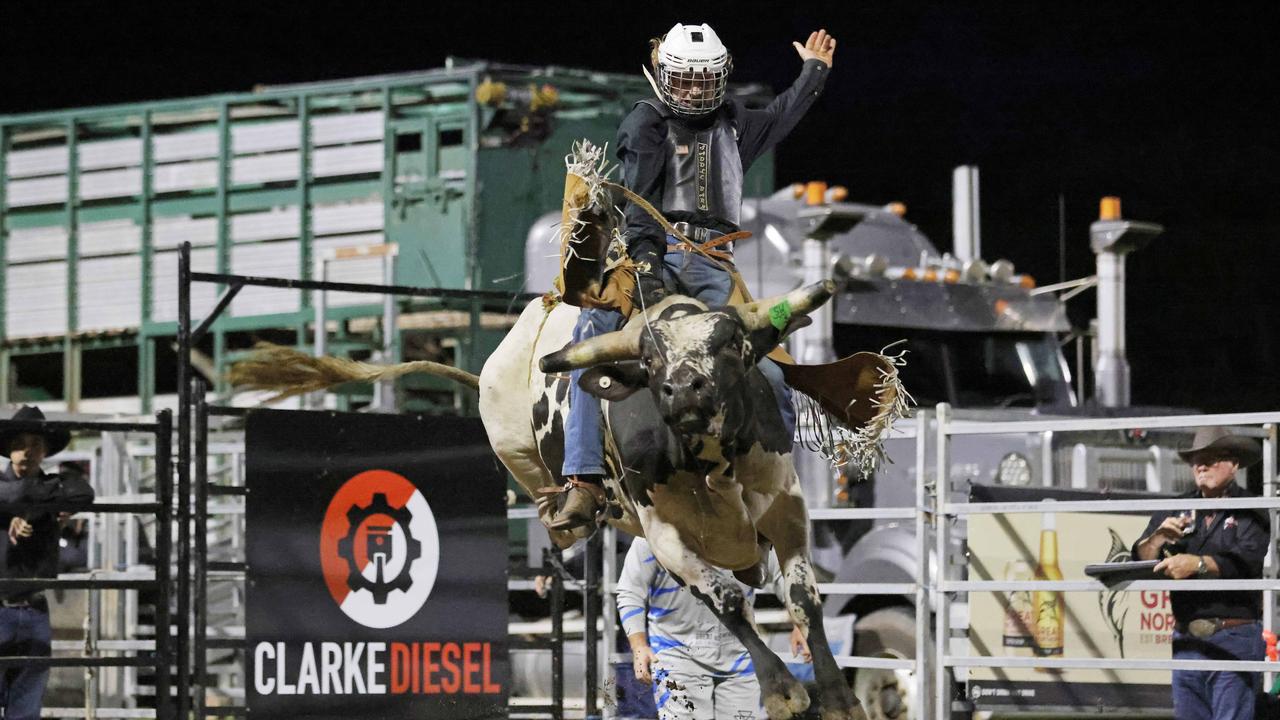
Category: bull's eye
[698,384]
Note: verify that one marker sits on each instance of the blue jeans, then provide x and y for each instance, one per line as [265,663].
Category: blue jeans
[694,276]
[583,437]
[23,631]
[1212,694]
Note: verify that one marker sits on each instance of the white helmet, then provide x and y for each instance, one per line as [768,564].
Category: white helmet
[693,68]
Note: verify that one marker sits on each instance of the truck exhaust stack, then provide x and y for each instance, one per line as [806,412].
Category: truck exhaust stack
[1111,239]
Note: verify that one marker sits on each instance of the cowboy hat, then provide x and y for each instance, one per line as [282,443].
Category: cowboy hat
[1245,450]
[55,439]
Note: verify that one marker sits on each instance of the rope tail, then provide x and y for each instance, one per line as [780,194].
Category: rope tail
[288,372]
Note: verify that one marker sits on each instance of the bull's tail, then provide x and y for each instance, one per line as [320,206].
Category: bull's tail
[288,372]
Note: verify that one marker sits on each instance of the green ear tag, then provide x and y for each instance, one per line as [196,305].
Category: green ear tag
[779,315]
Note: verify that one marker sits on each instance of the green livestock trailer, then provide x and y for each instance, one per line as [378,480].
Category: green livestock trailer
[452,165]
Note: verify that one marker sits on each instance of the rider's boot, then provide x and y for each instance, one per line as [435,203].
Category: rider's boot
[583,502]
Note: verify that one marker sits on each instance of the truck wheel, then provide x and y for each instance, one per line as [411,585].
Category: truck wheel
[886,694]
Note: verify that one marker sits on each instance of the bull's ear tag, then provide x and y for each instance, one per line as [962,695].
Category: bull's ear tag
[604,382]
[779,315]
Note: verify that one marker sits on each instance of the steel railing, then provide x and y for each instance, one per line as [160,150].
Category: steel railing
[946,511]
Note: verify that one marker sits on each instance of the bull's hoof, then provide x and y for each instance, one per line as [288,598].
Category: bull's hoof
[837,702]
[785,701]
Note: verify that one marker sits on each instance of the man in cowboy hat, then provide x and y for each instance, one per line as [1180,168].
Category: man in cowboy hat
[1227,544]
[30,550]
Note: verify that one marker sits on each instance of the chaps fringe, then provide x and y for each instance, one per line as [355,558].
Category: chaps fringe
[861,449]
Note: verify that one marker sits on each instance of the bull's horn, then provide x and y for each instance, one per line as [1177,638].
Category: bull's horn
[780,308]
[611,347]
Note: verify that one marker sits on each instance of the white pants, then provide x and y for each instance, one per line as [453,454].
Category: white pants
[689,693]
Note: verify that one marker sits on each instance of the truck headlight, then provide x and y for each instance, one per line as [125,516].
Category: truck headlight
[1015,470]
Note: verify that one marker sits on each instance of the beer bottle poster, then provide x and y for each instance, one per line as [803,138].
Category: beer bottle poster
[376,583]
[1053,624]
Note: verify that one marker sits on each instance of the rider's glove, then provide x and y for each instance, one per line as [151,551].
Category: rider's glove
[652,289]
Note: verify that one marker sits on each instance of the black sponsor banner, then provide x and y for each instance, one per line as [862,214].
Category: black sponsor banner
[377,553]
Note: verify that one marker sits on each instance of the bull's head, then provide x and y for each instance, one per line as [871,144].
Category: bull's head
[691,358]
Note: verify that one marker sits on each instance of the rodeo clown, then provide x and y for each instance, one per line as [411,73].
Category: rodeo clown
[685,152]
[697,669]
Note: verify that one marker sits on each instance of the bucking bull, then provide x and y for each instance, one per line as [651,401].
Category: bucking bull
[700,463]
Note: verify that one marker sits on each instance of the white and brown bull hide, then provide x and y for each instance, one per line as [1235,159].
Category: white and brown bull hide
[701,523]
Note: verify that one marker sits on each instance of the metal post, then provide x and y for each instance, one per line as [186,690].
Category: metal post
[200,577]
[5,376]
[384,392]
[304,196]
[923,518]
[321,343]
[223,209]
[590,610]
[4,262]
[388,162]
[1080,396]
[1270,569]
[557,635]
[609,615]
[70,364]
[146,350]
[164,531]
[71,372]
[966,225]
[93,634]
[184,479]
[813,345]
[465,401]
[1046,458]
[1111,239]
[942,624]
[1111,386]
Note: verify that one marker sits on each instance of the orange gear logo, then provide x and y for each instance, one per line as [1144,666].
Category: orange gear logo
[379,549]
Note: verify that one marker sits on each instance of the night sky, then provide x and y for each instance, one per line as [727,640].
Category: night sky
[1172,106]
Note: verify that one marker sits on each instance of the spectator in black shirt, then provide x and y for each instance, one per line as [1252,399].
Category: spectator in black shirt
[1228,544]
[30,550]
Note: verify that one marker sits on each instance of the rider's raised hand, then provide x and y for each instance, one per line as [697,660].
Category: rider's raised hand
[819,46]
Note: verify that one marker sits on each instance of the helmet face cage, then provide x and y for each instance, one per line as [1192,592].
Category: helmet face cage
[693,69]
[694,91]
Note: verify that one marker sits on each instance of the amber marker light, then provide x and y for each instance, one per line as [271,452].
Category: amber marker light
[1109,208]
[815,193]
